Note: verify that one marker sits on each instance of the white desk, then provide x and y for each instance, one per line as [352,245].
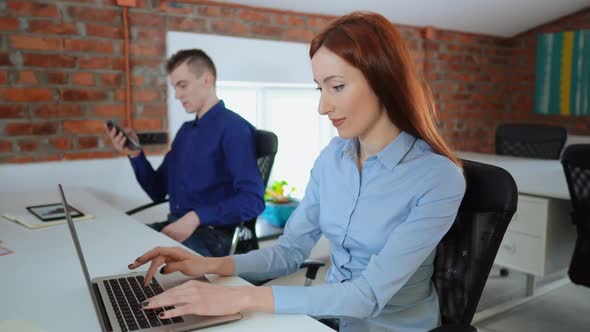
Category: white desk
[42,281]
[540,237]
[537,177]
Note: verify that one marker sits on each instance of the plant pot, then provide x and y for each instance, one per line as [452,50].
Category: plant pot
[277,214]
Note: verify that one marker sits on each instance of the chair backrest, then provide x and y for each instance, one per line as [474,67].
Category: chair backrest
[576,165]
[532,141]
[267,145]
[466,254]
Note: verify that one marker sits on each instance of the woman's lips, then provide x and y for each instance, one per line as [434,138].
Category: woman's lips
[337,122]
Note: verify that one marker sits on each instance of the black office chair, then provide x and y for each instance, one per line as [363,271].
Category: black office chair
[244,238]
[466,254]
[576,165]
[532,141]
[267,145]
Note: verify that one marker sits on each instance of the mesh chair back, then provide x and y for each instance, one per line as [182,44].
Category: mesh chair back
[466,253]
[576,165]
[532,141]
[267,145]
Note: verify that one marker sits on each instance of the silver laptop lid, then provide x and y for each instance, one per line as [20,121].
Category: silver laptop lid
[79,252]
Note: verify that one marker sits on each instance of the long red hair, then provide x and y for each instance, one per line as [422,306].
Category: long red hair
[369,42]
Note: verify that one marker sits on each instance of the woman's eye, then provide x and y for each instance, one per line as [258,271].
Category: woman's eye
[319,89]
[338,87]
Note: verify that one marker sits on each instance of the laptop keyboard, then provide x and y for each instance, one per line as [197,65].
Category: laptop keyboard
[126,296]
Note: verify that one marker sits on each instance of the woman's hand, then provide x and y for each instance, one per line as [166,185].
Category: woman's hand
[199,298]
[205,299]
[174,259]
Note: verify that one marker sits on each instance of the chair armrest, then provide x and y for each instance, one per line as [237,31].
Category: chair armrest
[235,239]
[310,275]
[455,328]
[146,206]
[312,268]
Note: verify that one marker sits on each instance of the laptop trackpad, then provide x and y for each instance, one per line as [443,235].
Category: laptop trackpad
[176,279]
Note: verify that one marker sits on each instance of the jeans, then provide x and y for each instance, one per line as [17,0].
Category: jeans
[206,240]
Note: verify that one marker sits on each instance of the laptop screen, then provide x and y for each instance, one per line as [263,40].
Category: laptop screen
[79,251]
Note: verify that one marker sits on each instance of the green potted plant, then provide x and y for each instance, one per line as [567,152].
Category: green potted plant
[279,203]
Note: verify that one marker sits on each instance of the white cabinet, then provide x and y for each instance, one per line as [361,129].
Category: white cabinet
[540,238]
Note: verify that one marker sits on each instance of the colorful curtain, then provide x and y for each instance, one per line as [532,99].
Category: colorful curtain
[563,73]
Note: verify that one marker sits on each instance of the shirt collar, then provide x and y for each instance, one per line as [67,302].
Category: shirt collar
[395,151]
[390,156]
[210,114]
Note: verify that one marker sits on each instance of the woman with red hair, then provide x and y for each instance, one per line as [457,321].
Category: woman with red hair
[384,193]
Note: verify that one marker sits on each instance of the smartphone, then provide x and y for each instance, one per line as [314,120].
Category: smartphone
[130,143]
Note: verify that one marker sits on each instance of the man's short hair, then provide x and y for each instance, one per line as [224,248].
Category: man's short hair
[194,58]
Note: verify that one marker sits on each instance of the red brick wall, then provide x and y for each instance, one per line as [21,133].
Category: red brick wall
[62,67]
[467,74]
[62,71]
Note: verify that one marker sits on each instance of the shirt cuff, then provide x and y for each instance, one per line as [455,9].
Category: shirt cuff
[243,263]
[140,159]
[292,300]
[206,214]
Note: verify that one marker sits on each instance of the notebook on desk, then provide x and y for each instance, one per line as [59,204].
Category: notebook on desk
[30,221]
[117,299]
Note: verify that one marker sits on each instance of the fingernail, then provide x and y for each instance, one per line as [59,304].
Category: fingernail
[129,266]
[161,315]
[145,303]
[162,270]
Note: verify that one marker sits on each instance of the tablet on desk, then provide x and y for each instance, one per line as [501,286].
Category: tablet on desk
[52,212]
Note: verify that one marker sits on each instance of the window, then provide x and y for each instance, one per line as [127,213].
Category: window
[290,111]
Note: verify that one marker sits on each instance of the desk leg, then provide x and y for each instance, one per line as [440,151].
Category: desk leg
[530,284]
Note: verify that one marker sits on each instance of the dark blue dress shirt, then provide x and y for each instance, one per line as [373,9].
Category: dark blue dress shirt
[211,169]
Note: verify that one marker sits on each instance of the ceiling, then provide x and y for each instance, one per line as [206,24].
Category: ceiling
[491,17]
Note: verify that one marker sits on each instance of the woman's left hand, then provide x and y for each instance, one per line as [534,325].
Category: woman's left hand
[199,298]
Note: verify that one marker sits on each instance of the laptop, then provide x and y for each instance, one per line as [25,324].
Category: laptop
[117,299]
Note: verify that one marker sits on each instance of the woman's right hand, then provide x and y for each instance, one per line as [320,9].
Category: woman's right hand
[174,259]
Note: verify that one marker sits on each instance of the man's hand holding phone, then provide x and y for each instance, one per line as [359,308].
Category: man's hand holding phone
[124,140]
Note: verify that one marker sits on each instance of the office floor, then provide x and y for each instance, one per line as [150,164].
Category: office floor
[564,308]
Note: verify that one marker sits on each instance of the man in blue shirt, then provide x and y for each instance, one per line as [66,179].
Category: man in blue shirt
[210,173]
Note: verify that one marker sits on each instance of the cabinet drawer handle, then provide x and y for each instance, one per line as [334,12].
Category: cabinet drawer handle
[509,247]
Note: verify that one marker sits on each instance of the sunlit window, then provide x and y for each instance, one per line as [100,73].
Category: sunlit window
[291,113]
